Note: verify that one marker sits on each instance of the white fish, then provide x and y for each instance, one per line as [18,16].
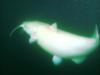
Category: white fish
[59,43]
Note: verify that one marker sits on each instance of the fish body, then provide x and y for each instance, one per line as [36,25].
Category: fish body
[59,43]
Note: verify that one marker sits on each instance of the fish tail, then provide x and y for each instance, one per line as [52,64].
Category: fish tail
[96,35]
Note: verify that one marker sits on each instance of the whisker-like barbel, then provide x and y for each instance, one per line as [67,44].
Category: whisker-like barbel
[14,30]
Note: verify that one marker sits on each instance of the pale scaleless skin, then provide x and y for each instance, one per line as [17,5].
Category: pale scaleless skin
[59,43]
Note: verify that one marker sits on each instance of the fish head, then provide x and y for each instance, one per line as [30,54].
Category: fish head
[30,27]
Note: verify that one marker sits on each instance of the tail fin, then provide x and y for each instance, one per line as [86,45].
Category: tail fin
[96,36]
[96,33]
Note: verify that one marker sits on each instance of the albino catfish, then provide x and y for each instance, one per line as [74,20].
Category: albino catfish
[60,44]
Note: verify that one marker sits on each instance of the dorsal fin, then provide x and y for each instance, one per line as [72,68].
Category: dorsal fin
[54,25]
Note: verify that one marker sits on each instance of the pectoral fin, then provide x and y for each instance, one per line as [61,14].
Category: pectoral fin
[78,60]
[56,60]
[32,39]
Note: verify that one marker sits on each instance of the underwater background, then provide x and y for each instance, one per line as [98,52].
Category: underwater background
[18,57]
